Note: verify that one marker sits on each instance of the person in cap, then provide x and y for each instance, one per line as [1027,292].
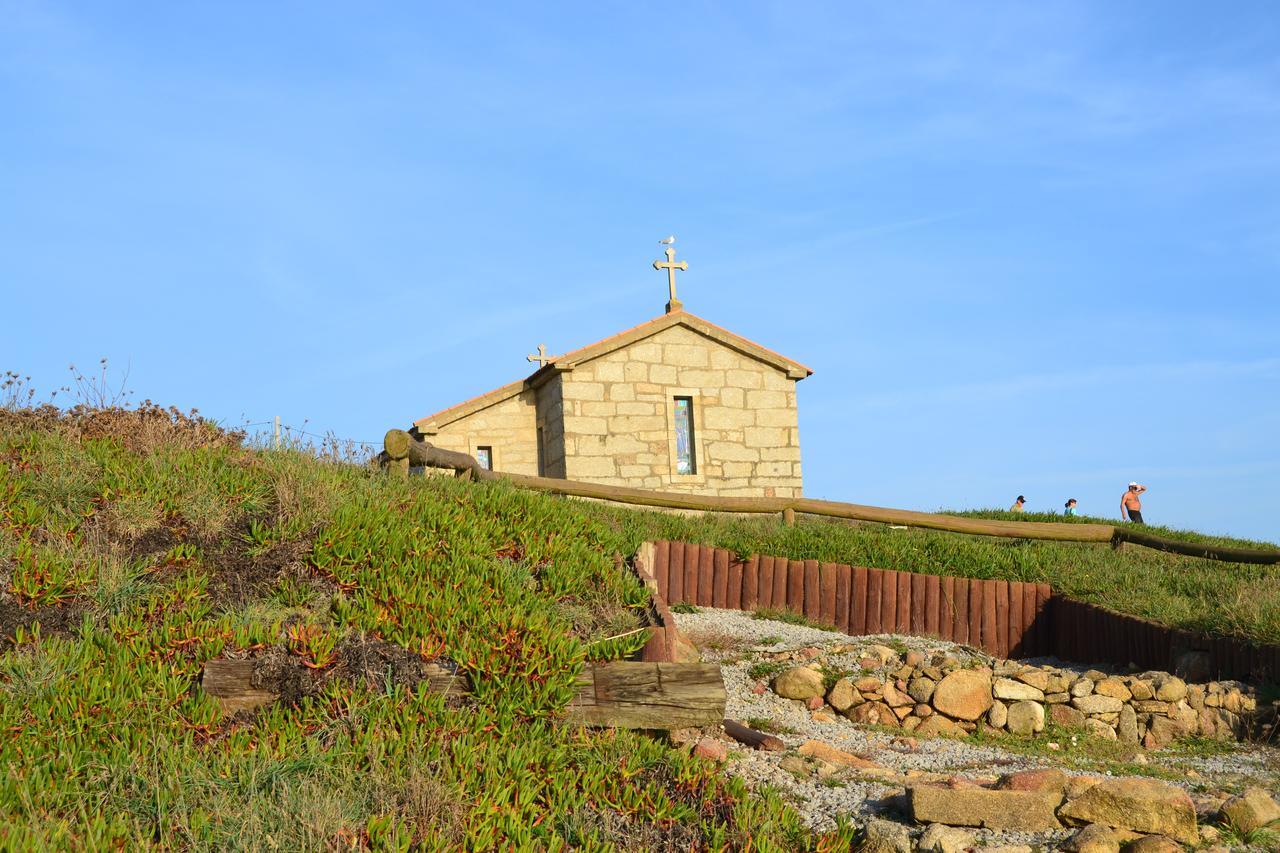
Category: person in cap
[1018,504]
[1131,504]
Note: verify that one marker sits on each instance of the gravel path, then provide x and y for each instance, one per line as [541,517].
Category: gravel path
[739,641]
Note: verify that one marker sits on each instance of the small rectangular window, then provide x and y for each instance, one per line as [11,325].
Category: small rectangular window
[542,454]
[686,458]
[484,455]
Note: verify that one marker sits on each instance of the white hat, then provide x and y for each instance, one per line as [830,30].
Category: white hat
[1132,483]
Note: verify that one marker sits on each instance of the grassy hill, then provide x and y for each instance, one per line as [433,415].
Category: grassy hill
[136,545]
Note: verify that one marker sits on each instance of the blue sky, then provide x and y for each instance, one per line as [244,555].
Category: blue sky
[1026,248]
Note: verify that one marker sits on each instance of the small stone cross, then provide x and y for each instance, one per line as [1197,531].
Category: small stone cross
[542,358]
[670,265]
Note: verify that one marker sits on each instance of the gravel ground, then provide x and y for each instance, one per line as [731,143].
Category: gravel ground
[738,641]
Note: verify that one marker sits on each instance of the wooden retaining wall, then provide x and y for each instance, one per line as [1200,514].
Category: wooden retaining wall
[1089,633]
[1007,619]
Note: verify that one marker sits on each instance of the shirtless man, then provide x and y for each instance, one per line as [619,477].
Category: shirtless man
[1131,504]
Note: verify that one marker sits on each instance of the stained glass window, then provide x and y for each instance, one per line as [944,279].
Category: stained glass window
[686,462]
[484,455]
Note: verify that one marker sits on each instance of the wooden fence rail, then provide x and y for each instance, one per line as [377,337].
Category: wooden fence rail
[400,448]
[1007,619]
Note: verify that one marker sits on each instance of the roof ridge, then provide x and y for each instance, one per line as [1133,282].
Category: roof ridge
[602,347]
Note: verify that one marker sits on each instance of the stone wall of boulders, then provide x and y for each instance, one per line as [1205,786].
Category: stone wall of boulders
[941,694]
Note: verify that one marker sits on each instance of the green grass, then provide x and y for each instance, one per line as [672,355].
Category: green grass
[130,556]
[765,724]
[765,670]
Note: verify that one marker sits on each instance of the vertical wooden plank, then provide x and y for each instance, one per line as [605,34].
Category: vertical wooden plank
[765,599]
[1129,641]
[858,601]
[889,602]
[706,575]
[675,572]
[720,580]
[844,579]
[1043,620]
[947,609]
[827,593]
[661,559]
[1002,618]
[919,604]
[1107,641]
[812,591]
[733,592]
[904,603]
[1030,640]
[1087,626]
[1240,661]
[795,586]
[1097,632]
[656,647]
[1151,647]
[692,555]
[779,583]
[1120,639]
[1217,656]
[990,623]
[875,590]
[1016,617]
[1056,645]
[750,586]
[975,613]
[933,605]
[1078,632]
[960,627]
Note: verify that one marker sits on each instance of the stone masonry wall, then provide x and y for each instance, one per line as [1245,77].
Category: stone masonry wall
[509,427]
[619,413]
[943,695]
[551,419]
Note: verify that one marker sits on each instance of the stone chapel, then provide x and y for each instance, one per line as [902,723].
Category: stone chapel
[674,404]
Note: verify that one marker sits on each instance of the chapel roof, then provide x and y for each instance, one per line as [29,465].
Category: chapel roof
[793,369]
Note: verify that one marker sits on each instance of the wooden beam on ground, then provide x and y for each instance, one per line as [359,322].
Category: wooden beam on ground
[749,736]
[231,683]
[644,695]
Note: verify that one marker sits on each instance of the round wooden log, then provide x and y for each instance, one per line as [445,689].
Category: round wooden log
[1196,549]
[396,443]
[751,737]
[400,445]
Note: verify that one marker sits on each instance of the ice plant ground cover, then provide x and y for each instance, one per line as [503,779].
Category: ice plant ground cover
[135,545]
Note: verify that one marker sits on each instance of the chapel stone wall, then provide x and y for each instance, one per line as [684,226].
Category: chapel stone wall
[619,418]
[551,424]
[509,427]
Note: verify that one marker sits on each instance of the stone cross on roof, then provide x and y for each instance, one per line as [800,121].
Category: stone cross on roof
[671,265]
[542,358]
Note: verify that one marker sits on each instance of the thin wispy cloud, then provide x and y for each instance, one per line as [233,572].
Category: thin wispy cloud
[1029,385]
